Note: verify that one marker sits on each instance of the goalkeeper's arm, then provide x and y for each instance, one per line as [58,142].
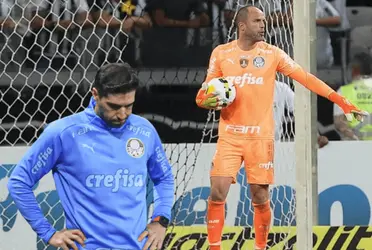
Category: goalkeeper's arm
[38,161]
[319,87]
[204,100]
[161,175]
[290,68]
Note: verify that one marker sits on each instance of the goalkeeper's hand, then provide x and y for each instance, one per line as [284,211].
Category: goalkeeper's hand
[210,100]
[350,110]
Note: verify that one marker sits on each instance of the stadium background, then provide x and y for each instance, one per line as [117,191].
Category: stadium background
[39,85]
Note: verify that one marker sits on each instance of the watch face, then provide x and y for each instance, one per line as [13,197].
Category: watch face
[163,221]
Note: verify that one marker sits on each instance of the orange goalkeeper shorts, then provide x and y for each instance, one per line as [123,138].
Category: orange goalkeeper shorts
[257,154]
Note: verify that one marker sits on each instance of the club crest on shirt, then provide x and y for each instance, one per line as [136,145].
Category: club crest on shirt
[135,147]
[243,62]
[259,62]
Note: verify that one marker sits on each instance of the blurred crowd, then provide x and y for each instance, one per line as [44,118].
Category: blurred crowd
[153,33]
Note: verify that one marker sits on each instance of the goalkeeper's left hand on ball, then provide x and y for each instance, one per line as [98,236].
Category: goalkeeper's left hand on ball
[209,100]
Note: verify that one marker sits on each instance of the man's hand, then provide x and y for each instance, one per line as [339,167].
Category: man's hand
[65,239]
[128,24]
[322,141]
[8,23]
[194,23]
[208,101]
[155,235]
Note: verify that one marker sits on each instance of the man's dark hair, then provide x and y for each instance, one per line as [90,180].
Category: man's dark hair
[115,78]
[363,61]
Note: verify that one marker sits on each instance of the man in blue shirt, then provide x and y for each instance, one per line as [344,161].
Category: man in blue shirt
[100,159]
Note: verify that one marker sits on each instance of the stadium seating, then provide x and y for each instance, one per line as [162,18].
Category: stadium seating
[359,16]
[361,39]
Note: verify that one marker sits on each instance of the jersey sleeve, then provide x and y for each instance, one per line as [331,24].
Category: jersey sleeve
[214,68]
[160,172]
[336,109]
[38,161]
[286,65]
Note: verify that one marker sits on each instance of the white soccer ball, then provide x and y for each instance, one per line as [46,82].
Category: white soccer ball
[223,88]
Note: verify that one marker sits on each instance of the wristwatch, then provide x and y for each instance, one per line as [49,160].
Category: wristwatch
[164,221]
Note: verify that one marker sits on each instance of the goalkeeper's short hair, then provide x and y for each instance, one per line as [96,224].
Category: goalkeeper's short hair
[115,78]
[242,14]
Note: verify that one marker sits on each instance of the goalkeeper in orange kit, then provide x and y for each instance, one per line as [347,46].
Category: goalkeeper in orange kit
[246,128]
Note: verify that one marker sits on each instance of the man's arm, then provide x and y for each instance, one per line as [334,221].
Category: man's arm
[38,161]
[332,17]
[161,175]
[342,126]
[210,101]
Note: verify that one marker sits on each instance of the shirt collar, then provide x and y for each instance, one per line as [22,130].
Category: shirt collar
[98,121]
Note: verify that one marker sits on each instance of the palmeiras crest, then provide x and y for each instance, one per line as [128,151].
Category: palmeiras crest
[243,62]
[135,147]
[259,62]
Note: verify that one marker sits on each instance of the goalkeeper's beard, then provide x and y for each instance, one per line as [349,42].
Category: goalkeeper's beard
[253,38]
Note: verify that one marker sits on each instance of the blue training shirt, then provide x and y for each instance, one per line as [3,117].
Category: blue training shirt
[100,175]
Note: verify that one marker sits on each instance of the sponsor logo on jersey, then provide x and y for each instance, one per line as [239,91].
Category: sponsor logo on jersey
[138,130]
[246,78]
[266,165]
[241,129]
[288,60]
[89,147]
[122,178]
[212,65]
[265,51]
[81,131]
[135,147]
[161,158]
[42,160]
[229,50]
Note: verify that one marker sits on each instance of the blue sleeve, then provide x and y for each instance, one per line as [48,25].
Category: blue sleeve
[38,161]
[161,175]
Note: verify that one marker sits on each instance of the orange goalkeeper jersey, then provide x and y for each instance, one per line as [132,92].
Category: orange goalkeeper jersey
[253,74]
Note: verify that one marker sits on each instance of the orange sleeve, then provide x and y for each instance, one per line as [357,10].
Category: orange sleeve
[214,69]
[321,88]
[311,82]
[288,67]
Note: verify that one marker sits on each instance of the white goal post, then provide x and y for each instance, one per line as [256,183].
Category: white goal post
[305,126]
